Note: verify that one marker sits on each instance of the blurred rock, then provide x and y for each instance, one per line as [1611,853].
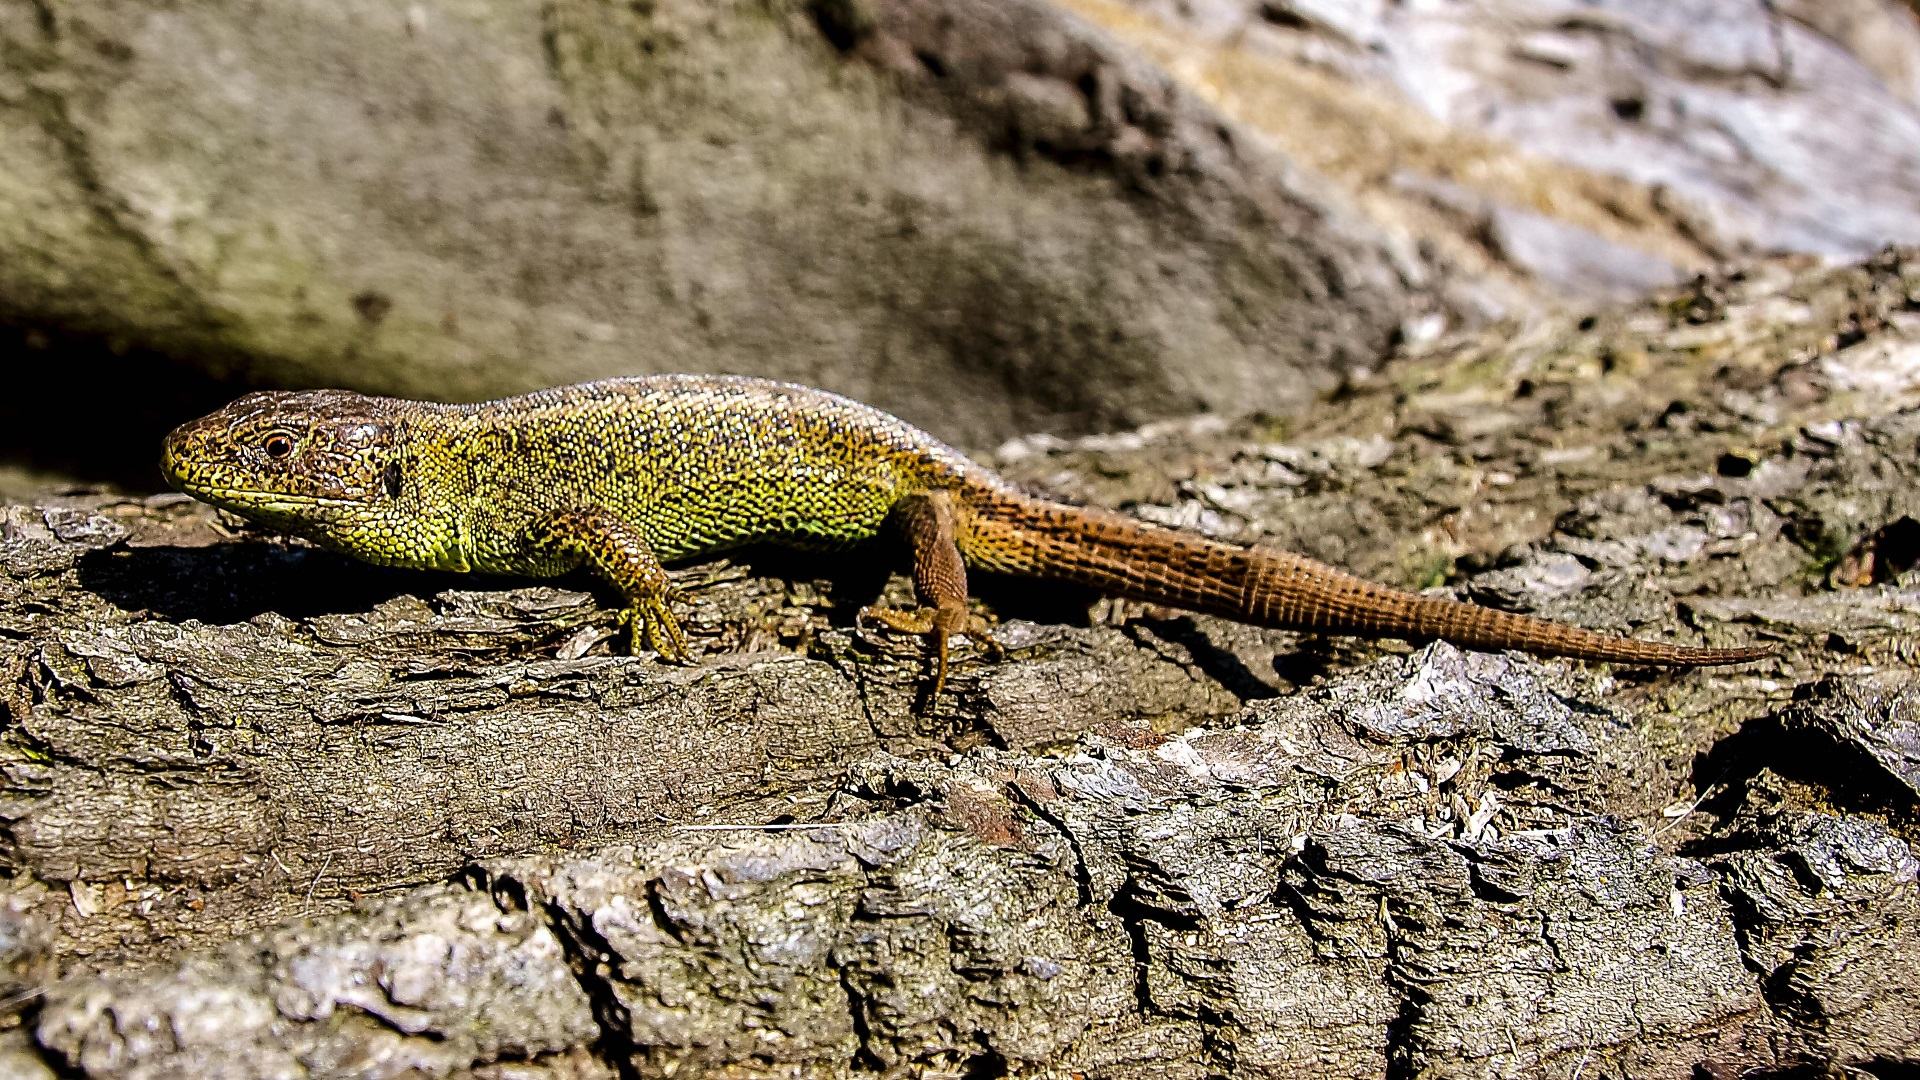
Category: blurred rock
[983,216]
[1682,132]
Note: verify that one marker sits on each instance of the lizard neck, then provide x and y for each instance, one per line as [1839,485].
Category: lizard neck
[429,492]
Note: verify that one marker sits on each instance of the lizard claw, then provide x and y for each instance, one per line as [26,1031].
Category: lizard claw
[651,620]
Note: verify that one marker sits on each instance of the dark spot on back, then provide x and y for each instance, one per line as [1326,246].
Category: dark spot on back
[372,306]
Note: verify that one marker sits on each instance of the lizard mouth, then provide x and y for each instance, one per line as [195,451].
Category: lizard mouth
[261,499]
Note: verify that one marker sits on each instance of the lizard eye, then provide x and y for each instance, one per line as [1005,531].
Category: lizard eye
[277,444]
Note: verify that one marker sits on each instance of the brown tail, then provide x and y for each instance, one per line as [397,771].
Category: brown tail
[1139,561]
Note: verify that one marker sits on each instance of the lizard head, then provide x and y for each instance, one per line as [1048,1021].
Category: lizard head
[322,464]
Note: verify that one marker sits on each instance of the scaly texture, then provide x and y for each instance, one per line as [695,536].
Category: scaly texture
[626,474]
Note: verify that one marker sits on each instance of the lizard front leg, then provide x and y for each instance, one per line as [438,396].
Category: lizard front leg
[616,551]
[929,522]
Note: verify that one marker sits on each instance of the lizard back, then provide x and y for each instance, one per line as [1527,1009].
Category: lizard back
[699,463]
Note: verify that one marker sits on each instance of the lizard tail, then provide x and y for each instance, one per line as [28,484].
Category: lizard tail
[1123,556]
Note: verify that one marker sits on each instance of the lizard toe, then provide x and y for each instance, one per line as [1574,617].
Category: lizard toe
[918,622]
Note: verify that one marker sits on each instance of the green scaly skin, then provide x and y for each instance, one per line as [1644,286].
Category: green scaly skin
[621,475]
[627,474]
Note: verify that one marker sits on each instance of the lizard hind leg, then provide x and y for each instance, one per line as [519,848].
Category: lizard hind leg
[929,521]
[618,553]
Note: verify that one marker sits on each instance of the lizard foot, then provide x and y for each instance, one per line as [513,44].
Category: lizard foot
[937,624]
[649,619]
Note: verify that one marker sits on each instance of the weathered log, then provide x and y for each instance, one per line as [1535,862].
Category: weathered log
[267,811]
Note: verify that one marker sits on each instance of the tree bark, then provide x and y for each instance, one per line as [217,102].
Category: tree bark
[272,813]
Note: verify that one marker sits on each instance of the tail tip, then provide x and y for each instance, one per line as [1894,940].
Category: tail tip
[1739,654]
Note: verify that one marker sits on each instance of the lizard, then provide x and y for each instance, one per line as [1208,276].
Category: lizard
[625,475]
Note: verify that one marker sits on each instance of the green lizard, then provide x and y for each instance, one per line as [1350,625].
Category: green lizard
[625,475]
